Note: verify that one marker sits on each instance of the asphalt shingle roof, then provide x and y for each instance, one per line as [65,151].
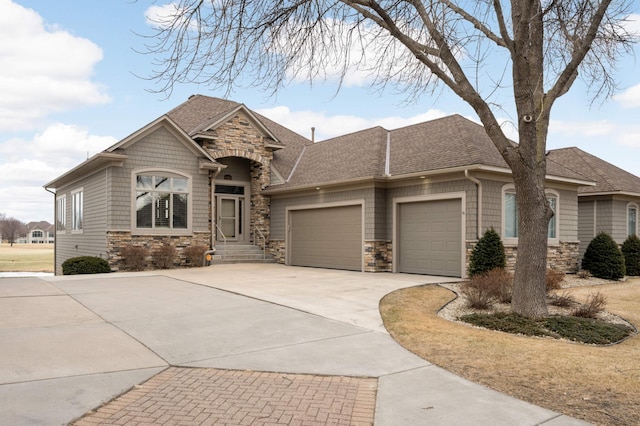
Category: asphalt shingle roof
[444,143]
[608,178]
[199,111]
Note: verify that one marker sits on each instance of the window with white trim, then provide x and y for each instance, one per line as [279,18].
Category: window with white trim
[632,219]
[511,215]
[77,210]
[162,201]
[61,213]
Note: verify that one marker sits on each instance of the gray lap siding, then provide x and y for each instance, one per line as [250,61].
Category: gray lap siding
[426,188]
[91,241]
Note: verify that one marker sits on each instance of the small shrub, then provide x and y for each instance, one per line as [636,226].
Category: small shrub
[482,290]
[85,265]
[584,274]
[488,254]
[554,279]
[134,258]
[592,307]
[194,255]
[478,296]
[163,257]
[603,258]
[631,252]
[564,300]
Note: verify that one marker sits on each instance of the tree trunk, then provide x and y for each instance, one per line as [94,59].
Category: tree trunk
[529,288]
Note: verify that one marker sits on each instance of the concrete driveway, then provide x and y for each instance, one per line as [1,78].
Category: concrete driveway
[69,344]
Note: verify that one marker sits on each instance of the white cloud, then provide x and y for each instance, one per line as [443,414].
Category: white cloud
[581,128]
[632,24]
[42,69]
[26,165]
[161,16]
[329,126]
[630,98]
[630,137]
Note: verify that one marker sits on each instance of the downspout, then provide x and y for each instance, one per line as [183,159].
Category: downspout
[479,203]
[55,228]
[213,207]
[387,166]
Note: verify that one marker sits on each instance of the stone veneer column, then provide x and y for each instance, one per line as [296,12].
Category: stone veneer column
[378,256]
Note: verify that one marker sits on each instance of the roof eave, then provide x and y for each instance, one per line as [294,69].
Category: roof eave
[212,137]
[322,185]
[97,162]
[593,194]
[413,175]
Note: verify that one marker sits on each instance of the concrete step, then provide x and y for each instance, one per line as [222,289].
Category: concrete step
[234,253]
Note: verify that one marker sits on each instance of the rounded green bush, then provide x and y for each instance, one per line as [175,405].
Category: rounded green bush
[603,258]
[85,265]
[488,254]
[631,252]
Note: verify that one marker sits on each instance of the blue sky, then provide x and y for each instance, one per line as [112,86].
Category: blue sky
[70,86]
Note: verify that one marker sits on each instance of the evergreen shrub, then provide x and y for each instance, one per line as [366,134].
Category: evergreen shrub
[488,254]
[85,265]
[631,252]
[603,258]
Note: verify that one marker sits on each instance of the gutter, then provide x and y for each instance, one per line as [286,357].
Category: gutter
[479,201]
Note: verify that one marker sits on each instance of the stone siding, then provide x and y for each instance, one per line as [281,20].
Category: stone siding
[278,250]
[378,256]
[118,239]
[563,257]
[239,138]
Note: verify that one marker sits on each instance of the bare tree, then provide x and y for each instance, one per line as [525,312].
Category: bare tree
[10,228]
[541,46]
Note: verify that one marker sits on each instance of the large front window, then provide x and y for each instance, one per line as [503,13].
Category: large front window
[161,201]
[511,216]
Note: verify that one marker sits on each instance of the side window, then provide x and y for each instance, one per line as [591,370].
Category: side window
[553,202]
[61,213]
[77,210]
[632,219]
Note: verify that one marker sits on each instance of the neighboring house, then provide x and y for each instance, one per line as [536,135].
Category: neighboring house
[213,172]
[38,233]
[611,206]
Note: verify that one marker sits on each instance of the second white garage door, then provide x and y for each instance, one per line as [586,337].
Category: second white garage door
[327,237]
[430,237]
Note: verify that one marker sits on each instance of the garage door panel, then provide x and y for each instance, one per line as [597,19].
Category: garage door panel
[430,237]
[327,237]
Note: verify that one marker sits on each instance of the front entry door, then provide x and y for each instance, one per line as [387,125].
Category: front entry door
[230,218]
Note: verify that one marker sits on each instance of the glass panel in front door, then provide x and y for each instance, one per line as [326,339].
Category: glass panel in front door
[228,217]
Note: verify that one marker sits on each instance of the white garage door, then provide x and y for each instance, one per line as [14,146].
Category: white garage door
[430,237]
[327,237]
